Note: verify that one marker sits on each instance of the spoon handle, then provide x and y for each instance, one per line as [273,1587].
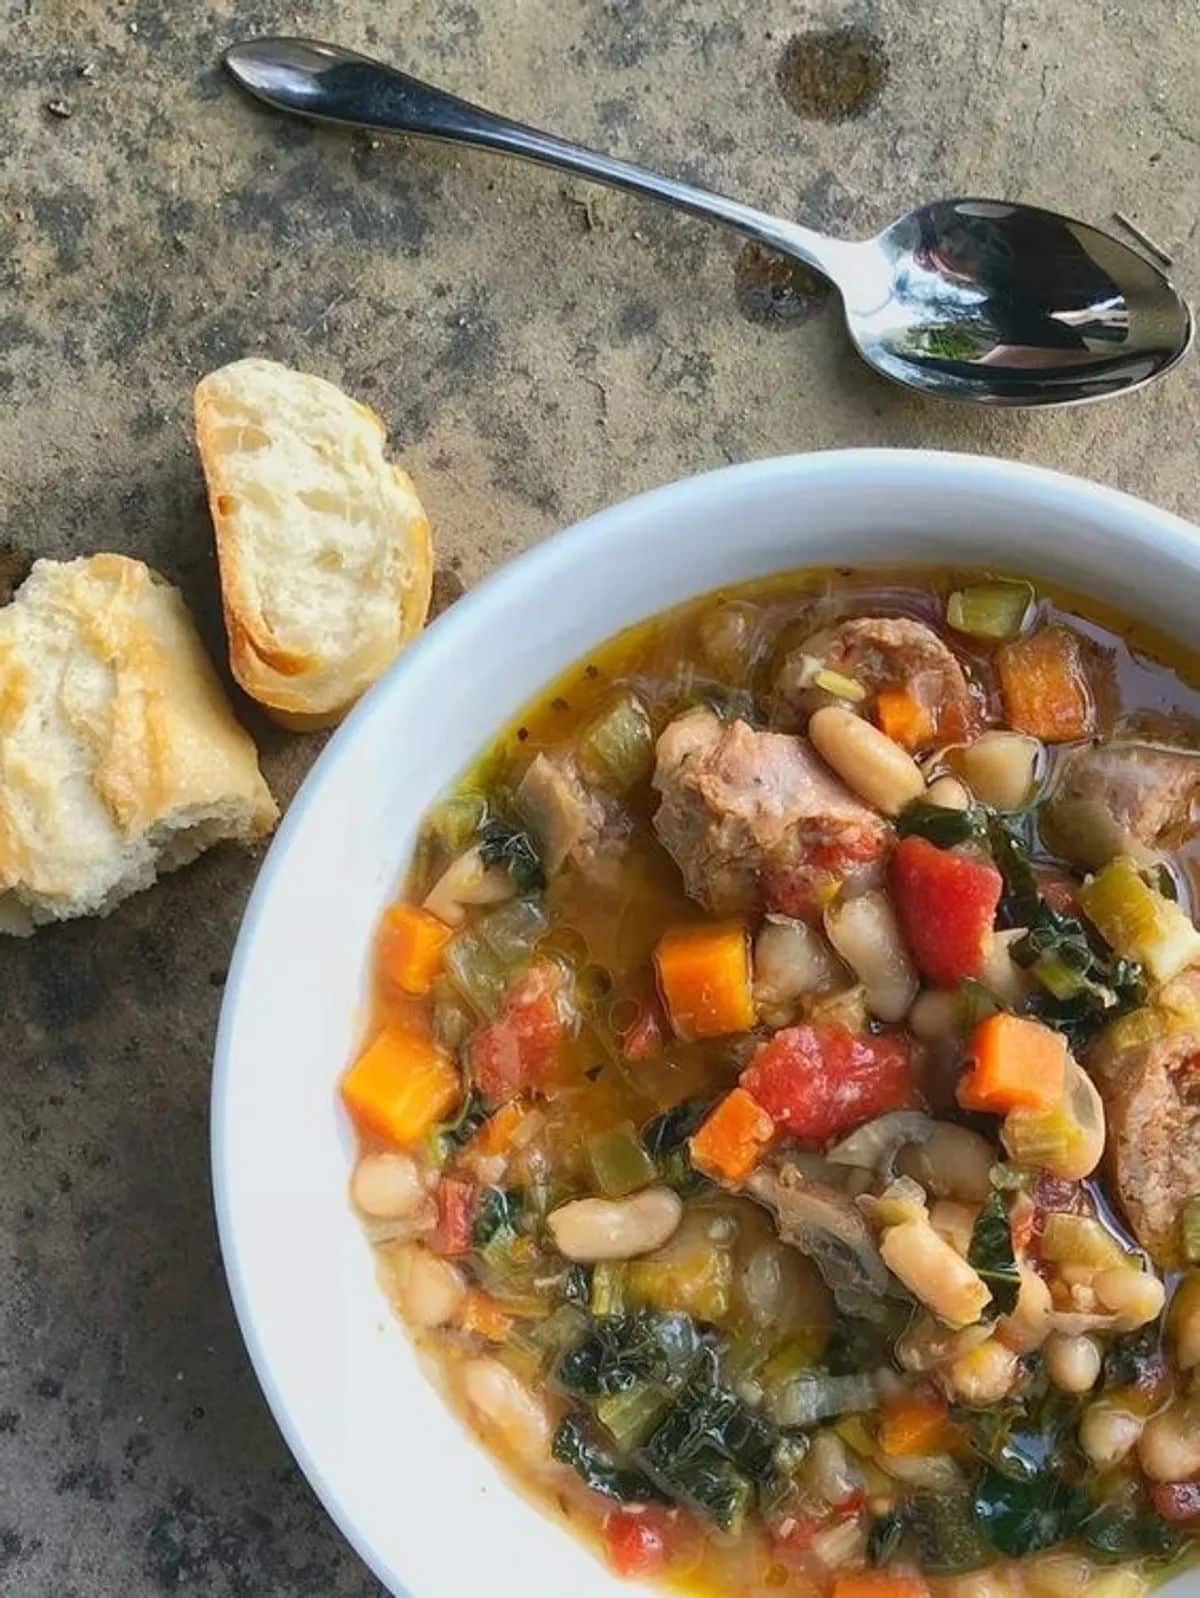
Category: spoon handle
[330,84]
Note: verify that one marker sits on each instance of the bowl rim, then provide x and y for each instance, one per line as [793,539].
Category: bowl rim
[558,552]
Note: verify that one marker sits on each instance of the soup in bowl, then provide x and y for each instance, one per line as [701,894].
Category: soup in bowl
[771,1116]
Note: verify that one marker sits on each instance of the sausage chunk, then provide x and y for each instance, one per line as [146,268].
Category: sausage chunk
[1118,798]
[755,818]
[1152,1096]
[879,652]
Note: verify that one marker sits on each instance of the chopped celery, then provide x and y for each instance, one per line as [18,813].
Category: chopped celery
[619,1162]
[853,1432]
[833,682]
[455,821]
[700,1283]
[1138,921]
[616,749]
[1040,1137]
[512,931]
[749,1352]
[1189,1230]
[991,610]
[975,1003]
[477,972]
[452,1021]
[555,1333]
[1080,1240]
[815,1395]
[631,1416]
[608,1287]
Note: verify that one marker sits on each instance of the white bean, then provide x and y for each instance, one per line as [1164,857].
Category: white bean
[995,1581]
[507,1407]
[954,1222]
[1000,973]
[791,960]
[999,768]
[934,1273]
[428,1289]
[1059,1574]
[467,881]
[1184,1322]
[867,760]
[1072,1363]
[866,934]
[1120,1583]
[985,1374]
[829,1471]
[387,1186]
[1135,1297]
[615,1229]
[948,794]
[1028,1326]
[1108,1433]
[952,1163]
[1169,1447]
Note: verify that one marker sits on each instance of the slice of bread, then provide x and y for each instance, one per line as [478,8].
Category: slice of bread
[326,562]
[119,755]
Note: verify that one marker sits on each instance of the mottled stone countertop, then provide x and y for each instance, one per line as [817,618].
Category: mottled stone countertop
[539,349]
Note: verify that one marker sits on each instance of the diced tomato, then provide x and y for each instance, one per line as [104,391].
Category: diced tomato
[797,1531]
[643,1038]
[455,1216]
[818,1081]
[1176,1500]
[805,886]
[518,1049]
[947,904]
[638,1540]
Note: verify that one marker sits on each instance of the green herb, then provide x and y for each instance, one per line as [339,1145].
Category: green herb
[885,1536]
[498,1213]
[941,825]
[621,1350]
[947,1533]
[503,844]
[991,1254]
[603,1474]
[1081,989]
[451,1135]
[665,1140]
[1023,1517]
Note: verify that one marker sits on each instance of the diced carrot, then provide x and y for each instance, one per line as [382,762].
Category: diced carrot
[729,1143]
[496,1133]
[917,1423]
[400,1086]
[704,974]
[903,717]
[1016,1064]
[479,1312]
[878,1584]
[412,942]
[1044,685]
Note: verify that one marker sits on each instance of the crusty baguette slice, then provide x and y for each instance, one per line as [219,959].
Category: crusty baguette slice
[325,555]
[119,754]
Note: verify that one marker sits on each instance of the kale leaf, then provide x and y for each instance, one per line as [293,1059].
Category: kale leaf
[1130,1532]
[500,843]
[498,1214]
[885,1536]
[618,1351]
[574,1446]
[947,1533]
[665,1140]
[991,1254]
[1023,1517]
[941,825]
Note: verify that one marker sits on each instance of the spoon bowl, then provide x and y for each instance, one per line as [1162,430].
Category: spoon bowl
[976,300]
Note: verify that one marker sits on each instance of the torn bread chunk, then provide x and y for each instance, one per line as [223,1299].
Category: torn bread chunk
[119,755]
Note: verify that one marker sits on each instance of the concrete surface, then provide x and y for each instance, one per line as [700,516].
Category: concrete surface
[539,348]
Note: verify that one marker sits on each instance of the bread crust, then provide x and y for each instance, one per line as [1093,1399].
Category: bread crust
[303,689]
[119,754]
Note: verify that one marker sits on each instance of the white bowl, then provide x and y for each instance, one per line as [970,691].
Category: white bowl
[418,1498]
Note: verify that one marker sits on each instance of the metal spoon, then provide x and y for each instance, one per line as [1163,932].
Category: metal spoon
[966,299]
